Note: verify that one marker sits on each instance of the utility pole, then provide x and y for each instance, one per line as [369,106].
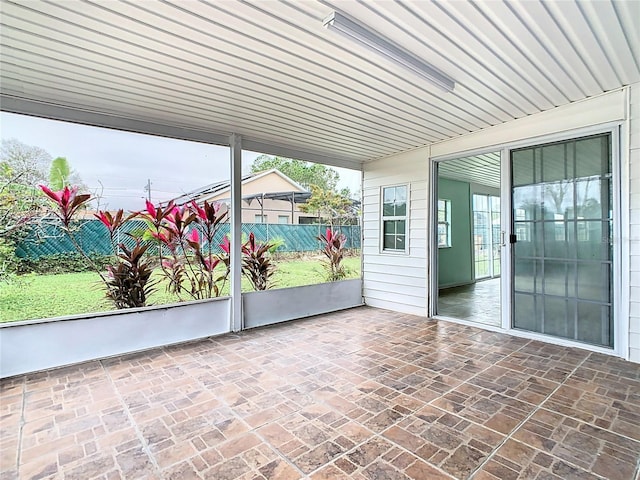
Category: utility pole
[147,188]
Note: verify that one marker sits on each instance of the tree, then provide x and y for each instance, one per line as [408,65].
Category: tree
[59,173]
[327,204]
[22,168]
[305,173]
[23,164]
[62,175]
[18,203]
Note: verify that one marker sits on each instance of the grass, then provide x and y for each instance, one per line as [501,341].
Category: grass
[45,296]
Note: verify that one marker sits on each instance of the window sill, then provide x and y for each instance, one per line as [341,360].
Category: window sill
[394,252]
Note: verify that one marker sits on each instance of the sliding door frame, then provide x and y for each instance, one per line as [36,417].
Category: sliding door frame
[620,295]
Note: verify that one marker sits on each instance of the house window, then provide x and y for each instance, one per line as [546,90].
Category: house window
[283,219]
[444,223]
[260,219]
[394,218]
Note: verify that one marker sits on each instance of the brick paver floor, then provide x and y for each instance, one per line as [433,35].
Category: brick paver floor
[363,394]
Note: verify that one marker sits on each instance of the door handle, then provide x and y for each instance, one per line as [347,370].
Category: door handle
[502,242]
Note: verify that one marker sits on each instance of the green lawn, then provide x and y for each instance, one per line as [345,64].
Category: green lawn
[44,296]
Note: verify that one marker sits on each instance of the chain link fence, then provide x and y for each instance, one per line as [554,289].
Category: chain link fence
[93,237]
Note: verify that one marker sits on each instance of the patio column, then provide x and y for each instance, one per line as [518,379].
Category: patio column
[235,287]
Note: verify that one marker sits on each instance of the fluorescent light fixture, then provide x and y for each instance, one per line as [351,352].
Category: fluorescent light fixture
[354,31]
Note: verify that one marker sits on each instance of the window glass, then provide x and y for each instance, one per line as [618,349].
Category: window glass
[394,216]
[444,223]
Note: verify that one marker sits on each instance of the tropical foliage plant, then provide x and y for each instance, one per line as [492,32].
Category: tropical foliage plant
[179,240]
[333,247]
[128,277]
[187,255]
[129,280]
[257,266]
[66,204]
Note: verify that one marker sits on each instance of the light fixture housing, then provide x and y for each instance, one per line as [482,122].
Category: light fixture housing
[354,31]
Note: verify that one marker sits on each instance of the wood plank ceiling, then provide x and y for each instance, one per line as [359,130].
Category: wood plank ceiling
[269,71]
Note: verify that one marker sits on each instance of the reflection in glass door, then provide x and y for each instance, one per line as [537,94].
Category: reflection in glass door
[562,222]
[486,236]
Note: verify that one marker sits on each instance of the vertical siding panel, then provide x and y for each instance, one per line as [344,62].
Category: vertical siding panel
[634,227]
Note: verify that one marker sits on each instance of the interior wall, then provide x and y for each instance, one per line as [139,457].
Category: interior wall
[455,263]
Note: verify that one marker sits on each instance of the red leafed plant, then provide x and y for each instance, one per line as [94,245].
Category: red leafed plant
[333,248]
[187,259]
[66,204]
[127,280]
[194,266]
[256,263]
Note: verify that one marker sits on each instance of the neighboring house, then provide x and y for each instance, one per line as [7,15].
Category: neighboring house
[267,197]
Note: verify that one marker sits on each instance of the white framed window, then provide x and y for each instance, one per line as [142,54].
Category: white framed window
[394,219]
[283,219]
[444,223]
[260,219]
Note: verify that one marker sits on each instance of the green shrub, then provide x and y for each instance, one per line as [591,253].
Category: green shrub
[60,263]
[8,260]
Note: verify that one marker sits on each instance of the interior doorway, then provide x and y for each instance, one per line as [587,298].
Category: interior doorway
[469,235]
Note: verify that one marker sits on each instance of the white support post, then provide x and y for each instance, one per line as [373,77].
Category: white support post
[236,233]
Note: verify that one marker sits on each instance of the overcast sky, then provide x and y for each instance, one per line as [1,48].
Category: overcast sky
[119,163]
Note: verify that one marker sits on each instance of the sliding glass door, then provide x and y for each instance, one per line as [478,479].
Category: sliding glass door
[562,208]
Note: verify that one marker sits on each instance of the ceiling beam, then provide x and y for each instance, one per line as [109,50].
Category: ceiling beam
[24,106]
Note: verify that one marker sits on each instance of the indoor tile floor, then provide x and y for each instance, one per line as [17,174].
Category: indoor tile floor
[363,394]
[478,302]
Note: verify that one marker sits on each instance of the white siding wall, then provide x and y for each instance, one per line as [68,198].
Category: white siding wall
[400,282]
[396,281]
[634,220]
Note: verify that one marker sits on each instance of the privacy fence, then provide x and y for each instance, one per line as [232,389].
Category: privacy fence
[92,235]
